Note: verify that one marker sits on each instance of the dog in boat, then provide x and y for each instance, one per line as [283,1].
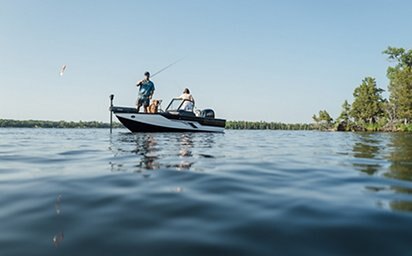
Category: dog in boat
[154,106]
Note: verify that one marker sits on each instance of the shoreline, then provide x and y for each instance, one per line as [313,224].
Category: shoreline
[230,125]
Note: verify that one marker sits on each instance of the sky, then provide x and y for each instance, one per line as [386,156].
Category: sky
[280,61]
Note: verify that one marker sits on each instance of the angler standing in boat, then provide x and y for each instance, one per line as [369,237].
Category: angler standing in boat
[146,90]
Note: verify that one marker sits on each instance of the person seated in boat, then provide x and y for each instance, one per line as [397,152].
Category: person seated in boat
[146,90]
[189,104]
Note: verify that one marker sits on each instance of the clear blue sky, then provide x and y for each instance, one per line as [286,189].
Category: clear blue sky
[249,60]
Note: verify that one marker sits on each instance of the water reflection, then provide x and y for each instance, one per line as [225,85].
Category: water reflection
[159,150]
[366,151]
[186,144]
[146,149]
[58,238]
[401,206]
[391,156]
[401,168]
[57,204]
[400,157]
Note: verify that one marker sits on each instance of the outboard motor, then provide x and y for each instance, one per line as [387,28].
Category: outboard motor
[208,113]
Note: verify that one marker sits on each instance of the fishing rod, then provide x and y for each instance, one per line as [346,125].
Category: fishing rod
[168,66]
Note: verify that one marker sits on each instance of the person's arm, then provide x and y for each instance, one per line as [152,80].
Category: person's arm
[139,83]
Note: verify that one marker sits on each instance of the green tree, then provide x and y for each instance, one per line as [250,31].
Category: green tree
[324,116]
[315,118]
[245,125]
[368,102]
[345,114]
[343,122]
[400,82]
[323,120]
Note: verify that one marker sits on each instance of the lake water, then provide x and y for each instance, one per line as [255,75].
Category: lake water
[86,192]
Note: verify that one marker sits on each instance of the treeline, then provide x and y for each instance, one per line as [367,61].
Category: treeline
[234,125]
[9,123]
[247,125]
[370,111]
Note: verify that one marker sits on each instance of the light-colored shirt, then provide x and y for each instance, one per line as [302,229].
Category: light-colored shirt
[187,96]
[187,105]
[146,89]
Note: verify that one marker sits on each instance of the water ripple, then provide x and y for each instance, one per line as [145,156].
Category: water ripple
[80,191]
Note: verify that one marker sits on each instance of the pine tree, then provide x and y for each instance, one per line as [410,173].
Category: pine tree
[368,102]
[345,114]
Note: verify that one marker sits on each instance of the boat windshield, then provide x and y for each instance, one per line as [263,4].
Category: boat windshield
[178,104]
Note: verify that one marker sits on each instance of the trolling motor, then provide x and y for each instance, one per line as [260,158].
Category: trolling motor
[111,112]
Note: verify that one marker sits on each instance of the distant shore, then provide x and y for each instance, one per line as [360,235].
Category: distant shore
[231,125]
[10,123]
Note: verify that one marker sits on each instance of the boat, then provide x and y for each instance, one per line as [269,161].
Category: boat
[173,119]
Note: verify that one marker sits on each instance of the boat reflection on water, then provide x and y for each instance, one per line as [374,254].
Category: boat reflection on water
[158,150]
[390,156]
[185,142]
[146,149]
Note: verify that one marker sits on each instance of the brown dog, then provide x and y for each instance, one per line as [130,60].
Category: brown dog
[154,106]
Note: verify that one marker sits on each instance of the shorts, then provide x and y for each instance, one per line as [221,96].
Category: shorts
[143,101]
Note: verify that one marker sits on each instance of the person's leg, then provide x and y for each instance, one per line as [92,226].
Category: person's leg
[146,105]
[138,105]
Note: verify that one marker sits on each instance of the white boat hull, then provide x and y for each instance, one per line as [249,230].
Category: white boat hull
[140,122]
